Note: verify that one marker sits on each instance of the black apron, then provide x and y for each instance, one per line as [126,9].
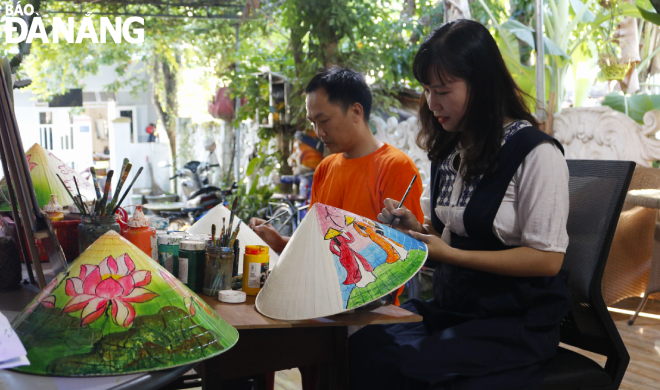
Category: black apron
[482,330]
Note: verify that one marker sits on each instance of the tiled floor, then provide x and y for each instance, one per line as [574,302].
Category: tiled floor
[643,343]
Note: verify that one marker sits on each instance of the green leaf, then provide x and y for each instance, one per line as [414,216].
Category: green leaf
[637,105]
[552,49]
[522,32]
[625,9]
[254,163]
[655,99]
[650,16]
[253,187]
[577,6]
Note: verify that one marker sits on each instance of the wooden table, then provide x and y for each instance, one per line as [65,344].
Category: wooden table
[266,345]
[649,199]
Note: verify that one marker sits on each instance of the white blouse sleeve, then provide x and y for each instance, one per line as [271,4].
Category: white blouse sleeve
[425,201]
[542,186]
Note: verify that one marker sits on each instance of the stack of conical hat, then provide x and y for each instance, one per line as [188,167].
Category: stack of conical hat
[44,167]
[116,311]
[337,261]
[245,236]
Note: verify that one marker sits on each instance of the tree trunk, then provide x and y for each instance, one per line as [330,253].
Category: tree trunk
[331,50]
[408,8]
[296,45]
[167,113]
[629,44]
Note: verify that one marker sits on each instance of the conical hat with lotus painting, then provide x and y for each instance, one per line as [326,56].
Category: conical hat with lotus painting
[44,167]
[116,311]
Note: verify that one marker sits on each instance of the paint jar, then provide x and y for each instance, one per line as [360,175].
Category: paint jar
[168,251]
[255,268]
[92,228]
[54,210]
[192,256]
[217,273]
[141,234]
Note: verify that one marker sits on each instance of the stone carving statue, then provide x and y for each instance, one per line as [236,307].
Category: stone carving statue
[601,133]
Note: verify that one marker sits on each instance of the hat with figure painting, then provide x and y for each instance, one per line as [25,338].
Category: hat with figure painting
[337,261]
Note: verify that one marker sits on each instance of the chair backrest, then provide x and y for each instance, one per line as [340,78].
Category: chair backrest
[597,191]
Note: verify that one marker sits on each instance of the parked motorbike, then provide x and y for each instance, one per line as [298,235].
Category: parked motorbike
[197,195]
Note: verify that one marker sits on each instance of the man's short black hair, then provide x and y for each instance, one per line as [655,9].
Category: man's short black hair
[344,87]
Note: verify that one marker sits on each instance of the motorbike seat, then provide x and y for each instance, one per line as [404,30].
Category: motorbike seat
[291,197]
[192,165]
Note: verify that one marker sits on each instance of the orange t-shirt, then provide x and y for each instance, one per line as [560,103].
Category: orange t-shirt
[361,185]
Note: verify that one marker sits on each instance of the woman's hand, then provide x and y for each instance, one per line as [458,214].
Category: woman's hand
[401,219]
[438,250]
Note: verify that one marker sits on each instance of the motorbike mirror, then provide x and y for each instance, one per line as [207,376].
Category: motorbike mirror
[164,164]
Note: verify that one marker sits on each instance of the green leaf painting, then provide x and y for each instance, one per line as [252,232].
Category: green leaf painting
[116,311]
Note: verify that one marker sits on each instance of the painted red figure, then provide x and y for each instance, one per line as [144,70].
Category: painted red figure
[339,246]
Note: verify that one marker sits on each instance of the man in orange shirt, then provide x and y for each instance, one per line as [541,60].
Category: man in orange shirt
[363,171]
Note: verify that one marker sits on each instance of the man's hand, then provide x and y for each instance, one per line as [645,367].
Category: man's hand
[269,234]
[400,219]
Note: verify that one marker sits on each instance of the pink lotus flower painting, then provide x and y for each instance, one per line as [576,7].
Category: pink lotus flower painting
[113,282]
[44,298]
[116,311]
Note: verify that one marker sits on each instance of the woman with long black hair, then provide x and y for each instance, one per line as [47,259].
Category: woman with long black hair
[495,224]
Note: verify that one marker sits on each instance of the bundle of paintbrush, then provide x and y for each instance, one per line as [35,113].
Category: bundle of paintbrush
[100,205]
[226,237]
[222,255]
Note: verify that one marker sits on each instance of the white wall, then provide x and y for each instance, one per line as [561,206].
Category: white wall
[80,154]
[68,143]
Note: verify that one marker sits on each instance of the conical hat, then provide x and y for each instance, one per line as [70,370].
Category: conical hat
[44,166]
[246,236]
[116,311]
[337,261]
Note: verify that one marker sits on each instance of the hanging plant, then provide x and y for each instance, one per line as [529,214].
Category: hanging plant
[608,58]
[611,68]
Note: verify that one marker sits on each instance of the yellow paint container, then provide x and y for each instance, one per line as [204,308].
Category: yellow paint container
[255,268]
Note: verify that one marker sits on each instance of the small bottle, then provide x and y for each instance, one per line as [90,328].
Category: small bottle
[141,234]
[192,258]
[255,268]
[168,250]
[73,214]
[54,210]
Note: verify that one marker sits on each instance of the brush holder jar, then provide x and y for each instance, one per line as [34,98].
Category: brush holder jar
[217,273]
[92,228]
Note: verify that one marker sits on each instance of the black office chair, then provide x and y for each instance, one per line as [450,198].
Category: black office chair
[597,191]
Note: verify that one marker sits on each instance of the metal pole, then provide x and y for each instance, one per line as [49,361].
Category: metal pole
[540,63]
[237,131]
